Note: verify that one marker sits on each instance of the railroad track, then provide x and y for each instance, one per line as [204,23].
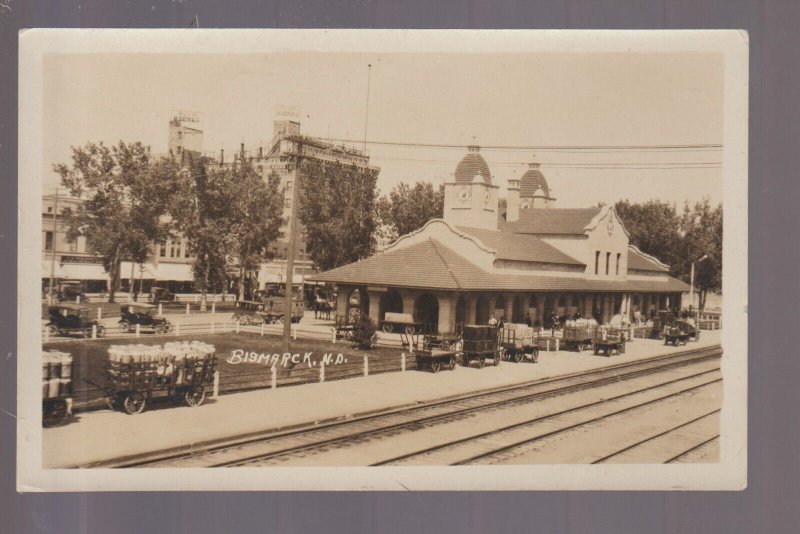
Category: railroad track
[502,444]
[268,446]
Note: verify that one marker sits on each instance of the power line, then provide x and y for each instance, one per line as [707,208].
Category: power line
[538,147]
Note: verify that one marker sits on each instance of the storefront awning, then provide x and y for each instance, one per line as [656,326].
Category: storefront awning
[146,271]
[58,272]
[178,272]
[84,271]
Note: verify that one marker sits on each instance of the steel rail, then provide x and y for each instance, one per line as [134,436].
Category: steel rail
[538,396]
[667,361]
[655,436]
[550,416]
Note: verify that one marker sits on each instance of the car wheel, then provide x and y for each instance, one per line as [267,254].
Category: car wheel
[101,330]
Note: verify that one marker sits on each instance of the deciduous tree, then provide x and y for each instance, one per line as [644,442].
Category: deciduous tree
[338,209]
[407,208]
[125,194]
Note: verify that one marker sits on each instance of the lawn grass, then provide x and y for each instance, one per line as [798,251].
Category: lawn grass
[236,371]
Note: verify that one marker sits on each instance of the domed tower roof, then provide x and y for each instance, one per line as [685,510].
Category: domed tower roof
[472,165]
[532,181]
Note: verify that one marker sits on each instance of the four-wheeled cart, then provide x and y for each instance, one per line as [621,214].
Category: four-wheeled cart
[674,335]
[56,387]
[436,360]
[519,344]
[133,384]
[579,338]
[480,343]
[399,322]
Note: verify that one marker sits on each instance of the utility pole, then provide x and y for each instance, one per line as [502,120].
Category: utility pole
[287,314]
[366,113]
[53,252]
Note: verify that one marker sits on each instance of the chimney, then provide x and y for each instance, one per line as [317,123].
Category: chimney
[242,151]
[512,202]
[260,152]
[221,156]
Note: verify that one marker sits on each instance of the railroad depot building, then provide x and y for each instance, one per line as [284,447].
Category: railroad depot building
[537,260]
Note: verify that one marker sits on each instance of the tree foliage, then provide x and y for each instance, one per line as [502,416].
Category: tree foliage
[338,209]
[656,228]
[228,215]
[407,208]
[125,195]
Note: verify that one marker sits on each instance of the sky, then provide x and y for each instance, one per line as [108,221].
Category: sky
[493,100]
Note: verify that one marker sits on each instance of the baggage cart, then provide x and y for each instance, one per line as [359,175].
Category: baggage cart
[519,344]
[480,343]
[580,337]
[436,359]
[132,383]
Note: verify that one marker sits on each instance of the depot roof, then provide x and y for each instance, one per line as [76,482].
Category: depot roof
[551,221]
[430,264]
[519,247]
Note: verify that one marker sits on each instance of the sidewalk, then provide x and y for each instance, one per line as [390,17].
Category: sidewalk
[102,435]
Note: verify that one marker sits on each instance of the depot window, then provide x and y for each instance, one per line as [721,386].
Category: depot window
[597,262]
[48,240]
[608,260]
[618,257]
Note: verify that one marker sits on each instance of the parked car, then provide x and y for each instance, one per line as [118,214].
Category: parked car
[144,315]
[69,319]
[160,294]
[71,292]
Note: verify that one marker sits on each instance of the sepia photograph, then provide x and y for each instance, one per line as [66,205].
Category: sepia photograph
[382,260]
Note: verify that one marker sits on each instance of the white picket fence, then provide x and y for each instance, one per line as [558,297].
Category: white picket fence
[299,331]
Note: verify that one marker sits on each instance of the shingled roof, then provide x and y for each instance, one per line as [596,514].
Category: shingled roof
[431,265]
[554,221]
[471,165]
[519,247]
[640,261]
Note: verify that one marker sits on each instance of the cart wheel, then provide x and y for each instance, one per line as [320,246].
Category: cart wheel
[452,364]
[436,365]
[519,357]
[481,362]
[596,350]
[387,328]
[496,359]
[279,319]
[87,333]
[124,326]
[235,318]
[194,396]
[134,403]
[161,329]
[410,330]
[101,330]
[52,330]
[697,336]
[666,341]
[579,346]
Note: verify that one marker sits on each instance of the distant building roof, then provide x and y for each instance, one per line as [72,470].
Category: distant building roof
[640,261]
[471,165]
[431,265]
[552,221]
[519,247]
[532,181]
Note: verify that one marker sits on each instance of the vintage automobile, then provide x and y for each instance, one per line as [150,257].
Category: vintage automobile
[160,294]
[70,319]
[144,315]
[70,292]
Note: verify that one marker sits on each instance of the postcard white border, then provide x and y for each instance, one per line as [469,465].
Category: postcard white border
[729,474]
